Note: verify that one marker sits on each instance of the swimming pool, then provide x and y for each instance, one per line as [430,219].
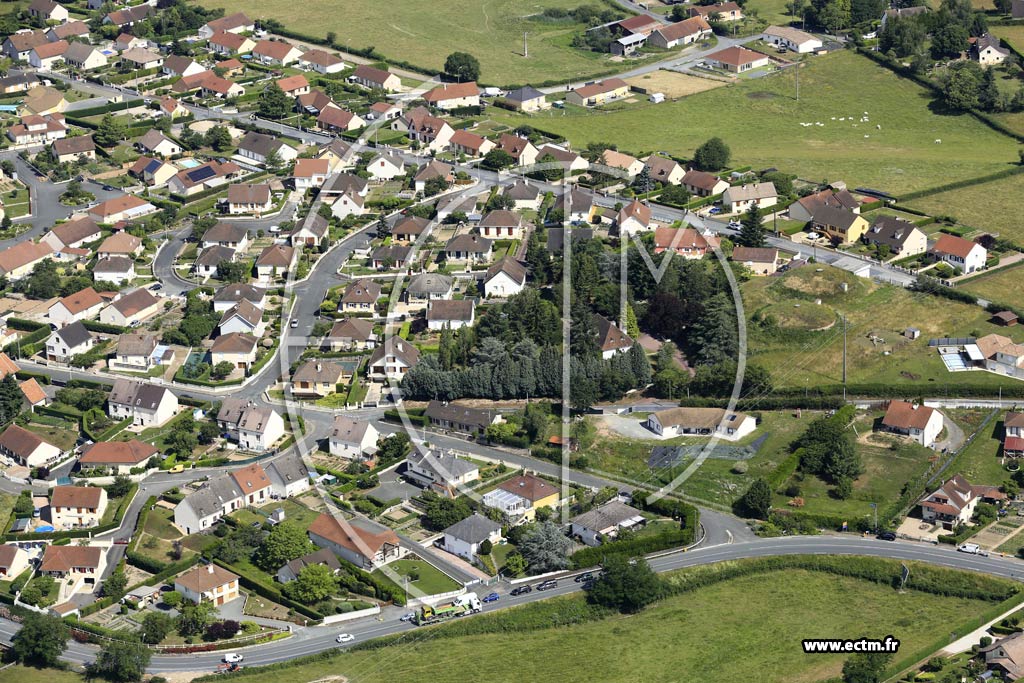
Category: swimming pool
[188,163]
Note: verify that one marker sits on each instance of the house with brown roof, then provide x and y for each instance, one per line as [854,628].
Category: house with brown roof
[453,95]
[257,429]
[123,208]
[571,161]
[225,43]
[245,317]
[420,125]
[208,583]
[275,52]
[38,128]
[18,260]
[964,255]
[46,55]
[364,548]
[47,10]
[337,119]
[76,507]
[384,111]
[664,171]
[153,172]
[376,79]
[236,348]
[634,217]
[505,278]
[502,224]
[351,334]
[390,256]
[260,147]
[138,58]
[791,39]
[80,565]
[460,418]
[702,422]
[680,33]
[919,422]
[232,23]
[737,59]
[620,161]
[685,242]
[469,248]
[212,174]
[274,262]
[72,234]
[838,224]
[226,234]
[81,305]
[117,456]
[738,198]
[293,86]
[84,56]
[610,338]
[450,314]
[254,198]
[309,173]
[392,359]
[21,446]
[722,11]
[1005,657]
[156,143]
[360,297]
[321,61]
[803,209]
[18,46]
[470,144]
[131,309]
[519,498]
[902,237]
[353,439]
[13,561]
[596,94]
[953,503]
[520,149]
[317,378]
[120,244]
[407,229]
[757,260]
[310,231]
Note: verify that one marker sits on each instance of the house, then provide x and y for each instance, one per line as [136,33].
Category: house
[13,561]
[757,260]
[919,422]
[120,244]
[700,422]
[452,315]
[390,256]
[120,457]
[353,439]
[431,170]
[610,338]
[453,96]
[81,305]
[386,166]
[430,131]
[140,58]
[429,287]
[72,234]
[964,255]
[123,208]
[680,33]
[526,99]
[84,56]
[503,224]
[288,474]
[520,149]
[1004,657]
[131,309]
[790,38]
[987,50]
[293,86]
[179,65]
[317,378]
[71,31]
[69,150]
[47,55]
[291,569]
[469,144]
[738,60]
[722,11]
[311,232]
[457,208]
[275,52]
[685,242]
[524,196]
[252,198]
[209,260]
[44,100]
[207,583]
[139,353]
[124,41]
[232,67]
[253,427]
[364,548]
[384,111]
[504,278]
[226,234]
[348,204]
[604,523]
[74,507]
[259,148]
[664,171]
[236,348]
[376,79]
[470,248]
[999,354]
[79,564]
[233,23]
[520,497]
[227,296]
[47,10]
[360,297]
[18,261]
[309,173]
[205,177]
[321,61]
[35,128]
[903,238]
[953,503]
[392,359]
[227,43]
[803,209]
[439,471]
[156,143]
[599,93]
[903,13]
[222,495]
[314,102]
[465,538]
[274,262]
[577,208]
[68,342]
[629,165]
[146,404]
[455,417]
[738,198]
[634,217]
[335,119]
[408,228]
[153,172]
[18,46]
[572,163]
[838,224]
[26,448]
[213,85]
[351,334]
[243,317]
[16,83]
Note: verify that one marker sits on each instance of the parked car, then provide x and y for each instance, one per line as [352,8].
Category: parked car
[735,224]
[491,597]
[345,638]
[547,585]
[584,577]
[294,323]
[715,210]
[233,658]
[887,536]
[521,590]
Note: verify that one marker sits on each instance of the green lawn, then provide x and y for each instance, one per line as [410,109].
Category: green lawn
[1006,285]
[974,206]
[425,33]
[979,462]
[64,437]
[715,634]
[760,120]
[432,580]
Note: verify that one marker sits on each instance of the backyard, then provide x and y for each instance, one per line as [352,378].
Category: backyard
[974,206]
[1005,286]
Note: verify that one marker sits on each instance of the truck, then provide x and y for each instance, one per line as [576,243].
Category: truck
[468,603]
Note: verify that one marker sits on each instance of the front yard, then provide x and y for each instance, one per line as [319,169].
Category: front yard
[421,575]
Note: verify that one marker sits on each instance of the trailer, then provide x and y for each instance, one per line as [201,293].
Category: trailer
[465,604]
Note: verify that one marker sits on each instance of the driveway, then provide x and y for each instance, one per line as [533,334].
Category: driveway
[629,427]
[955,437]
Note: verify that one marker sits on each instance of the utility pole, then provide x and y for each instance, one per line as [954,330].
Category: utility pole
[796,70]
[844,356]
[526,49]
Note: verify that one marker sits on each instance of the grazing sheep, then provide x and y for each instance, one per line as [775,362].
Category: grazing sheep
[938,142]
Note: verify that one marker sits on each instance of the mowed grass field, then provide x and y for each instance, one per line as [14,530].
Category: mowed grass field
[760,120]
[810,359]
[424,33]
[1006,286]
[984,206]
[715,634]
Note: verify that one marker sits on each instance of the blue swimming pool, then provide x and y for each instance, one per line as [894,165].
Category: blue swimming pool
[188,163]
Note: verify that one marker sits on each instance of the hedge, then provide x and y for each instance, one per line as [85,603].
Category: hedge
[96,326]
[395,416]
[632,547]
[25,375]
[784,470]
[768,402]
[107,108]
[23,325]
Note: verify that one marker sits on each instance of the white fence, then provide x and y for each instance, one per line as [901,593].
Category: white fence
[435,599]
[358,614]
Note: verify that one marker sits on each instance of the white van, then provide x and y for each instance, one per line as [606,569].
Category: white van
[971,548]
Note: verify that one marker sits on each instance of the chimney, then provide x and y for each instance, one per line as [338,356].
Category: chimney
[209,568]
[319,367]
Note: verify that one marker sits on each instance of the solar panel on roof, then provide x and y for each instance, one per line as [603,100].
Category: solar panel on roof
[202,173]
[152,166]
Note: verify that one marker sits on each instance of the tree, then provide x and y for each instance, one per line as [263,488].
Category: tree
[625,585]
[193,619]
[866,668]
[485,547]
[902,37]
[233,271]
[115,584]
[314,583]
[963,86]
[835,15]
[218,138]
[119,487]
[208,433]
[515,564]
[844,488]
[11,400]
[222,630]
[462,66]
[441,513]
[752,231]
[155,627]
[171,598]
[274,103]
[1003,6]
[713,155]
[110,131]
[546,548]
[285,542]
[757,501]
[121,661]
[497,159]
[435,185]
[40,641]
[222,369]
[948,41]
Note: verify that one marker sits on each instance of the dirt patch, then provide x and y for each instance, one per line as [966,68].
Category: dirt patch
[761,95]
[672,84]
[331,679]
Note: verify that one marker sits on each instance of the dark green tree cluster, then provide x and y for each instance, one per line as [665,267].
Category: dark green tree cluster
[828,451]
[627,586]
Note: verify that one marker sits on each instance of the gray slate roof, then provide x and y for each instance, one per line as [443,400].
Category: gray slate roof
[473,529]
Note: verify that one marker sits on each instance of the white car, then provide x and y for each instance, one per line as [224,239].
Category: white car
[345,638]
[735,224]
[232,658]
